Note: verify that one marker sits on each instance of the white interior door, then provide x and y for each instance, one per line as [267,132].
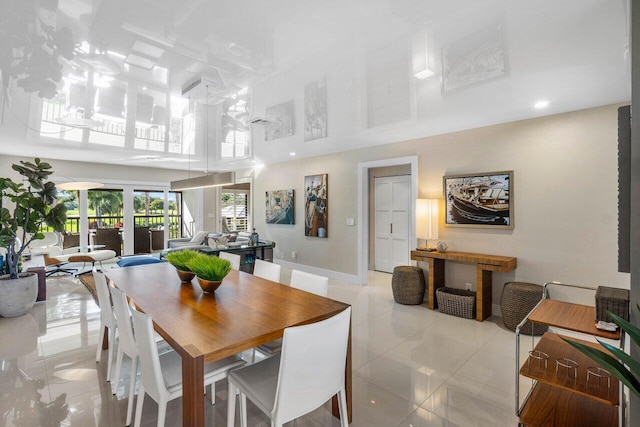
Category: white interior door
[391,219]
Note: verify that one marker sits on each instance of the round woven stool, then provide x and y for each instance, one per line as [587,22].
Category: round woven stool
[517,300]
[408,285]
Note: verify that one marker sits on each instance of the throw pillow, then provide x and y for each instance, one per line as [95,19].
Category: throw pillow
[199,237]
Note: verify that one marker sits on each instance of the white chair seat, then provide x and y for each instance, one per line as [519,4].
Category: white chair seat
[259,381]
[272,347]
[171,364]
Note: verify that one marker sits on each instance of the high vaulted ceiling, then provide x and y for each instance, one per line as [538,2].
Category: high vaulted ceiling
[571,53]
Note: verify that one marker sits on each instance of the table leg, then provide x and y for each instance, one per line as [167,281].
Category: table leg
[105,339]
[192,391]
[348,386]
[484,293]
[436,280]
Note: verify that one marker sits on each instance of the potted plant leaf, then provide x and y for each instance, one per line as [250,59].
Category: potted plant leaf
[180,260]
[210,271]
[616,365]
[34,205]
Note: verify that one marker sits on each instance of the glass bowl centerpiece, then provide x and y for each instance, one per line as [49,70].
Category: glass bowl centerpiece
[180,260]
[210,271]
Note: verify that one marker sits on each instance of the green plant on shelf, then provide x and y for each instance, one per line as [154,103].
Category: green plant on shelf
[628,376]
[181,259]
[210,268]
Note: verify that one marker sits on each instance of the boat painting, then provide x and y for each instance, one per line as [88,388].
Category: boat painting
[479,200]
[280,207]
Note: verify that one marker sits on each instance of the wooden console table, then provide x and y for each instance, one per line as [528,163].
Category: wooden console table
[485,265]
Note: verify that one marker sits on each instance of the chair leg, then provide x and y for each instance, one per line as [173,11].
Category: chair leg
[116,378]
[231,405]
[139,404]
[132,388]
[342,407]
[112,343]
[103,330]
[162,413]
[243,409]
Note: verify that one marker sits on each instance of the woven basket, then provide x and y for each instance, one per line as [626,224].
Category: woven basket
[408,285]
[614,300]
[517,300]
[456,302]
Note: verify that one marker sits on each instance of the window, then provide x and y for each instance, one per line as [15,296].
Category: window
[148,211]
[234,207]
[105,209]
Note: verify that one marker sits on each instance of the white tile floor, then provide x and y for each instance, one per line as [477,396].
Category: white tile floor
[412,366]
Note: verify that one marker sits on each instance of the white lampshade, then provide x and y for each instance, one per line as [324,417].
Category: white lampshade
[427,219]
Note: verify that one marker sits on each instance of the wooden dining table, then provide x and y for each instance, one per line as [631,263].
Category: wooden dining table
[244,312]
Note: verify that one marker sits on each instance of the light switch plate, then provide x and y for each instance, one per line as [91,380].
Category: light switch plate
[351,221]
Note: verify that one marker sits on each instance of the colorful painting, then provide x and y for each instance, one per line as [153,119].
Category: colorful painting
[315,206]
[315,110]
[280,207]
[282,118]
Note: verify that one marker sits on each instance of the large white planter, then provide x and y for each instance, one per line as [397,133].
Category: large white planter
[17,296]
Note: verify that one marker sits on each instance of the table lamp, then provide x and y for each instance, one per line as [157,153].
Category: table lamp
[427,221]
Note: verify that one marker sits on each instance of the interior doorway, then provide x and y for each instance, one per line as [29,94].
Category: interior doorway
[365,207]
[390,222]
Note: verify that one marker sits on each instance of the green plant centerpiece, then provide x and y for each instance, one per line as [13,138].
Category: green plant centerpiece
[616,365]
[180,260]
[210,271]
[34,205]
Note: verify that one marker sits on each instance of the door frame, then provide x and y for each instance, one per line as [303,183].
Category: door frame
[363,206]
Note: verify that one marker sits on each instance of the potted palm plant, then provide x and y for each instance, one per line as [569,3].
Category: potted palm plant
[34,205]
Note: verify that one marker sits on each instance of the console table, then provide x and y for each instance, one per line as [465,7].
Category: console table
[485,265]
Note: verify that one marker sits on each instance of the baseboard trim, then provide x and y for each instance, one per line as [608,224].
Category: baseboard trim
[336,275]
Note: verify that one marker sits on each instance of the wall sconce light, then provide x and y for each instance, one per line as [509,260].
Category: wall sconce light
[422,47]
[427,219]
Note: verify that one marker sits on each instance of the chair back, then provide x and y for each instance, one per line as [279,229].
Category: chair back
[234,259]
[110,238]
[104,299]
[313,283]
[50,243]
[123,318]
[150,370]
[267,270]
[312,366]
[141,240]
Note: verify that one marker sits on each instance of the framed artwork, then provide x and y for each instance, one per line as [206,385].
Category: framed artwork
[283,123]
[315,110]
[280,207]
[474,59]
[479,200]
[316,212]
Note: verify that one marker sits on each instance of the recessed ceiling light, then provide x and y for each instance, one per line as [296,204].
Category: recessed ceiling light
[541,104]
[292,154]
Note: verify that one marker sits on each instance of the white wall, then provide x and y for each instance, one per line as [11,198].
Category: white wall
[565,196]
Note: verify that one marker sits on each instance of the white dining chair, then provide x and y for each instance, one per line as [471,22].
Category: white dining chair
[107,319]
[267,270]
[313,283]
[309,371]
[127,345]
[234,259]
[161,374]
